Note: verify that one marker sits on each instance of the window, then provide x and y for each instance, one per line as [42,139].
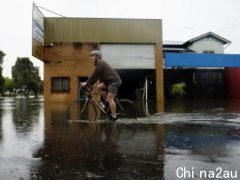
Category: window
[208,52]
[60,84]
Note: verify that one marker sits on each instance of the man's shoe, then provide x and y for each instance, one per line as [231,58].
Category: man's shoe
[112,118]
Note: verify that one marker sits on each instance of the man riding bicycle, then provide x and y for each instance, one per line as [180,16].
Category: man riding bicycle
[109,79]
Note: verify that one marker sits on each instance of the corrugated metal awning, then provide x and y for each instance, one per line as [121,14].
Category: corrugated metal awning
[102,30]
[201,60]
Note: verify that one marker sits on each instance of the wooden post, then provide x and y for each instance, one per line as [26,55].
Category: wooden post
[159,78]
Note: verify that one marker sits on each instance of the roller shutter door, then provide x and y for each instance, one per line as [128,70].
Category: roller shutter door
[126,56]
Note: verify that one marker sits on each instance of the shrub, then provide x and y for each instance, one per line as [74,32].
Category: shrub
[178,89]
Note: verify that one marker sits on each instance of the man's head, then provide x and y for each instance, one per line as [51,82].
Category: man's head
[96,54]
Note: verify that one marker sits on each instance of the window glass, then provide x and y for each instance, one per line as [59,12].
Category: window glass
[208,52]
[60,84]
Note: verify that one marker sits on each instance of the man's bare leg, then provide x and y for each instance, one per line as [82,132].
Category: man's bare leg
[112,104]
[101,88]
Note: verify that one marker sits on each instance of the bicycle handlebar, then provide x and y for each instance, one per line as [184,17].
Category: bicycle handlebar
[86,88]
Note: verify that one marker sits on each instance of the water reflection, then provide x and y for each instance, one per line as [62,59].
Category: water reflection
[204,148]
[22,133]
[198,105]
[102,149]
[37,143]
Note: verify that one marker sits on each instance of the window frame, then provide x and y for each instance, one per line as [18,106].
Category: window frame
[208,51]
[58,86]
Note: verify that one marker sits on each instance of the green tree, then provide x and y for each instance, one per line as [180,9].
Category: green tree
[26,76]
[2,54]
[9,86]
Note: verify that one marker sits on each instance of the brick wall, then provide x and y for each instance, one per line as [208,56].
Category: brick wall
[68,60]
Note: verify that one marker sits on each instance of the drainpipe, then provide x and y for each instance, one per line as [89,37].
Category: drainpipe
[146,83]
[145,93]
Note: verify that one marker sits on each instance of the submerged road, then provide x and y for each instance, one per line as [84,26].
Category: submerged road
[184,142]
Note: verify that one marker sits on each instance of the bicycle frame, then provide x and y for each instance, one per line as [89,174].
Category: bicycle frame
[90,98]
[86,99]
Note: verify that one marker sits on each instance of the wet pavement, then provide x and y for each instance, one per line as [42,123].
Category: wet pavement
[191,140]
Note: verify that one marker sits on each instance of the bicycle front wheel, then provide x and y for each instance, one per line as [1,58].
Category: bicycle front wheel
[125,108]
[81,109]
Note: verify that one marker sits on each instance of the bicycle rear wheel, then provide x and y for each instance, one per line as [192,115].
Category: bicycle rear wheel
[125,108]
[81,109]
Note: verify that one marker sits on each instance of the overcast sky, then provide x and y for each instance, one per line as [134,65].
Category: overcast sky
[182,20]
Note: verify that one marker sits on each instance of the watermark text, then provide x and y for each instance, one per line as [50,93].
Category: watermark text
[216,173]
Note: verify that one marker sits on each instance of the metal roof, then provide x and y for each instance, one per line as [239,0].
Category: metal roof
[209,34]
[177,49]
[169,42]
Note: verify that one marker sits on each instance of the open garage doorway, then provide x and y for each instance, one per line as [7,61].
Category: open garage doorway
[135,64]
[134,81]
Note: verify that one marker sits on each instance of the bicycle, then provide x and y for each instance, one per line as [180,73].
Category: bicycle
[85,107]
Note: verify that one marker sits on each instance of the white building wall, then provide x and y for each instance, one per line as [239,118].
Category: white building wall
[207,44]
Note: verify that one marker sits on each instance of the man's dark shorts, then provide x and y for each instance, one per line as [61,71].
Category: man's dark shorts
[113,88]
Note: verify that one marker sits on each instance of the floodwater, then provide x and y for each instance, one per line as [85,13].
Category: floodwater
[191,140]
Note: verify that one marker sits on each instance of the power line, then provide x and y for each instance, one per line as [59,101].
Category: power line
[227,28]
[51,11]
